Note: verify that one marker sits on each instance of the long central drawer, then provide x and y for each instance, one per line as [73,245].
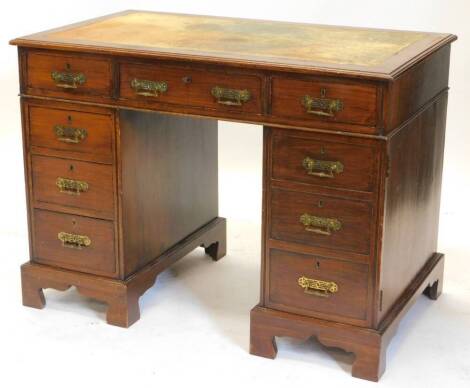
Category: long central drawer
[154,84]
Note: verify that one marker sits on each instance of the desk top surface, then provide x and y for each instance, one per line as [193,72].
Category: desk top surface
[272,44]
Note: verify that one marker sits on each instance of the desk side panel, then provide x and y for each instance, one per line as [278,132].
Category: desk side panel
[168,182]
[411,91]
[412,201]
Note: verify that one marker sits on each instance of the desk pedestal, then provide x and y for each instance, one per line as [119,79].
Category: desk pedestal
[159,183]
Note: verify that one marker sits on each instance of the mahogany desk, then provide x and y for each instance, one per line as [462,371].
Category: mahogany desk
[120,146]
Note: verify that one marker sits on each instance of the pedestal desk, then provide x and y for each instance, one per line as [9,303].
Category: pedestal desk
[120,149]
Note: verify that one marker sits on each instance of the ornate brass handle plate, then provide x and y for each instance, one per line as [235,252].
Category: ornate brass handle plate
[75,241]
[232,97]
[70,134]
[320,225]
[71,186]
[67,79]
[317,287]
[148,88]
[322,168]
[322,106]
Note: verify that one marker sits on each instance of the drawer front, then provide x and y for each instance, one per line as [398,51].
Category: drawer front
[77,185]
[68,75]
[74,242]
[86,135]
[315,286]
[220,91]
[321,221]
[319,162]
[314,101]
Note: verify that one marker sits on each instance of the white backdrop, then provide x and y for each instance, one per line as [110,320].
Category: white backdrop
[190,333]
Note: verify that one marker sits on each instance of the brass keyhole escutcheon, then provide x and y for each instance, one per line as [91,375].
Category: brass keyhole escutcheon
[187,79]
[71,167]
[320,203]
[322,92]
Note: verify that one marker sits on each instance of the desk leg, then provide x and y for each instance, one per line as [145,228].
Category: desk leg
[217,248]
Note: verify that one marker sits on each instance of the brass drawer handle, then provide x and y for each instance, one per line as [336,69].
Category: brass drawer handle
[317,287]
[75,241]
[322,168]
[67,79]
[322,106]
[232,97]
[148,88]
[71,186]
[320,225]
[70,134]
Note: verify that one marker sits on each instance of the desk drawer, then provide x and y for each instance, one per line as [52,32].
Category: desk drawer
[73,242]
[76,185]
[214,90]
[324,163]
[315,101]
[317,287]
[68,75]
[88,136]
[321,221]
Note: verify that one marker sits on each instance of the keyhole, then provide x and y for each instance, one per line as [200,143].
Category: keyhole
[318,265]
[322,92]
[74,222]
[71,167]
[69,118]
[67,66]
[187,79]
[322,150]
[320,203]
